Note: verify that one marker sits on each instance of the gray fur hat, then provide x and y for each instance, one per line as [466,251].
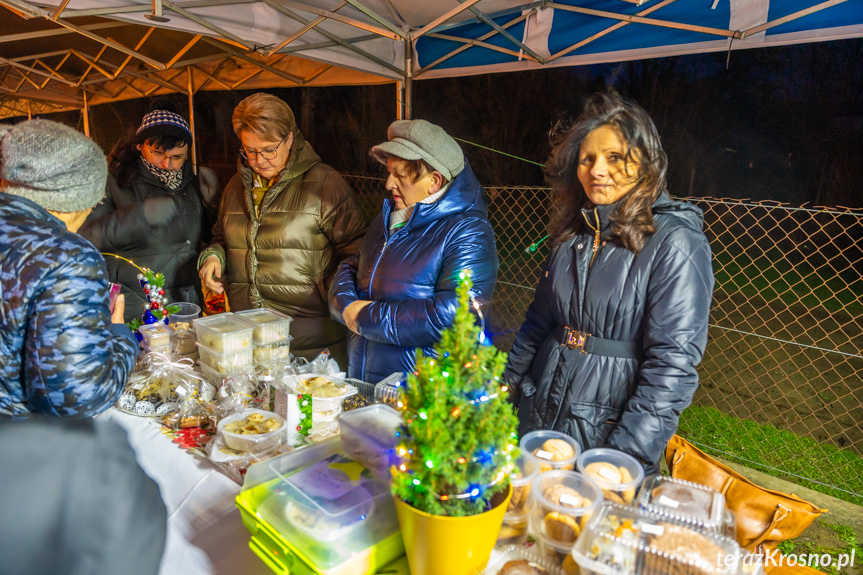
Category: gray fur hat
[53,165]
[422,140]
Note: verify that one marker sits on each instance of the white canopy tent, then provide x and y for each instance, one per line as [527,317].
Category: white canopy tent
[70,54]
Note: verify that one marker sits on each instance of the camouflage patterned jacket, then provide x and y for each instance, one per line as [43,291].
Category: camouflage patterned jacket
[59,353]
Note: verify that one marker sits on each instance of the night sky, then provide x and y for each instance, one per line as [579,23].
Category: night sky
[784,124]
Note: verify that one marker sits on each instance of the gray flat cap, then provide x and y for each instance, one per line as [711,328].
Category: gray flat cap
[422,140]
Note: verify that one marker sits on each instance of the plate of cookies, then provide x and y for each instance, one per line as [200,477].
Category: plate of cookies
[618,474]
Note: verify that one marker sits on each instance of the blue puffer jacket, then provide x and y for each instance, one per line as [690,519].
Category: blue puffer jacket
[658,299]
[59,353]
[411,277]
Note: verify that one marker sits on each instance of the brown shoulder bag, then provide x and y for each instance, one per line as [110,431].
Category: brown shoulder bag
[763,516]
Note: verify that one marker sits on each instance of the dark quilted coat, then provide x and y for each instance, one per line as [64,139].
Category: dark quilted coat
[411,277]
[659,299]
[59,353]
[285,259]
[117,225]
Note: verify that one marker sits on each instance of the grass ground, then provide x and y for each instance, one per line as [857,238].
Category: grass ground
[769,449]
[824,538]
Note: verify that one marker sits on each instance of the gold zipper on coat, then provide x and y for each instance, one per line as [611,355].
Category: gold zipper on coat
[595,236]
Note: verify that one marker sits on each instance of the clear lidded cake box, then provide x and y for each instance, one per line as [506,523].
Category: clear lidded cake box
[226,363]
[685,500]
[624,540]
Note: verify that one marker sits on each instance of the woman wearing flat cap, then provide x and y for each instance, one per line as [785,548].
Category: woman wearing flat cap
[398,293]
[156,212]
[62,353]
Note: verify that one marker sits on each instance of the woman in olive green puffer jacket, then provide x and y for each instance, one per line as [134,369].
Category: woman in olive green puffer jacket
[286,220]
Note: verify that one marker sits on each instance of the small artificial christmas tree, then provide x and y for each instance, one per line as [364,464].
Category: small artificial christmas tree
[459,439]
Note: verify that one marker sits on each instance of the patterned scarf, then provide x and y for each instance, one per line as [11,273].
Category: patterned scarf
[171,178]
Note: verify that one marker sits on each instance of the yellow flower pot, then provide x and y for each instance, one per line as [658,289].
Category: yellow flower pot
[439,545]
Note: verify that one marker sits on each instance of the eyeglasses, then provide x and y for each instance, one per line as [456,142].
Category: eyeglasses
[159,156]
[265,154]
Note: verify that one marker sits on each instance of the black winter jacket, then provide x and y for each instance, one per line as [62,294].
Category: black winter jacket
[117,225]
[658,299]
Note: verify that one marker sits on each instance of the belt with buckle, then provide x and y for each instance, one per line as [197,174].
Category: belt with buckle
[587,343]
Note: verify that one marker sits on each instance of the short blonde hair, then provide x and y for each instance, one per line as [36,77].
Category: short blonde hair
[265,116]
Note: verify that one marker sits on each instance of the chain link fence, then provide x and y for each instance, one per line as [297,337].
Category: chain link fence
[782,377]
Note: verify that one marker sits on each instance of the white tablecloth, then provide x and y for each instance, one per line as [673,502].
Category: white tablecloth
[205,533]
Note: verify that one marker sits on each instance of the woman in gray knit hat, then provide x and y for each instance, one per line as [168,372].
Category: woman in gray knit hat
[156,212]
[60,353]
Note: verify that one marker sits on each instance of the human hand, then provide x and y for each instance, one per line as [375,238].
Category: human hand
[119,309]
[351,312]
[211,274]
[159,211]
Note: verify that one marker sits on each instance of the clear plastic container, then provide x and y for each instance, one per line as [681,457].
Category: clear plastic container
[369,436]
[553,449]
[559,556]
[226,363]
[326,509]
[563,503]
[251,419]
[391,391]
[223,333]
[618,474]
[513,530]
[274,352]
[684,500]
[184,342]
[528,557]
[525,471]
[328,393]
[166,349]
[182,320]
[270,325]
[624,540]
[156,335]
[365,395]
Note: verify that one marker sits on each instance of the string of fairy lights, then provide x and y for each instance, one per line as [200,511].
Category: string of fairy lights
[473,491]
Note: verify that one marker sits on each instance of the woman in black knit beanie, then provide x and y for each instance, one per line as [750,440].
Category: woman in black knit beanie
[156,211]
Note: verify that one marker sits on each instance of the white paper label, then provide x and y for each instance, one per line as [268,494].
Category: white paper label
[668,502]
[609,475]
[544,455]
[571,500]
[651,529]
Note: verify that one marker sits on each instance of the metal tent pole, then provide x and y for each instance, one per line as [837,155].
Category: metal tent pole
[400,100]
[408,87]
[86,115]
[194,154]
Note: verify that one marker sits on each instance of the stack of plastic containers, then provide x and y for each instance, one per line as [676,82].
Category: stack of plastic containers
[563,504]
[225,346]
[272,334]
[157,337]
[514,529]
[314,510]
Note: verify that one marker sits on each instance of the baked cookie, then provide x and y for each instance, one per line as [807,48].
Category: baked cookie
[521,567]
[561,527]
[571,497]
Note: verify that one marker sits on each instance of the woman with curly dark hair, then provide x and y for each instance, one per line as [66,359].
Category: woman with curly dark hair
[609,347]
